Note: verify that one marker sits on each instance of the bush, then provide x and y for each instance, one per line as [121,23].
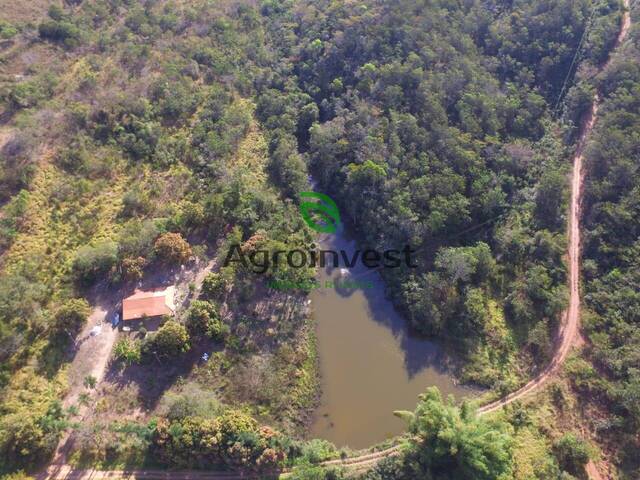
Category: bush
[71,316]
[14,213]
[31,421]
[127,351]
[133,268]
[137,239]
[316,472]
[91,262]
[19,475]
[135,203]
[192,400]
[60,31]
[204,320]
[7,30]
[90,381]
[573,453]
[73,158]
[172,248]
[29,93]
[453,443]
[233,438]
[171,340]
[213,285]
[318,450]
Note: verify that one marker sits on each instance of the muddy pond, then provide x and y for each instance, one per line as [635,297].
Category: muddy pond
[370,364]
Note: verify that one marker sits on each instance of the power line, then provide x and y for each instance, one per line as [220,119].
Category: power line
[575,56]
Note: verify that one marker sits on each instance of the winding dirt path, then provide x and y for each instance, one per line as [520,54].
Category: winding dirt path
[567,336]
[570,325]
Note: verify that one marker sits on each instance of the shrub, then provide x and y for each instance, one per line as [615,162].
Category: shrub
[137,238]
[190,216]
[135,203]
[16,164]
[171,340]
[318,450]
[31,421]
[90,381]
[7,30]
[203,320]
[174,100]
[29,93]
[71,316]
[573,453]
[56,13]
[233,438]
[192,400]
[133,268]
[19,475]
[453,443]
[11,222]
[172,248]
[60,31]
[91,262]
[127,351]
[73,158]
[316,472]
[140,139]
[213,285]
[233,423]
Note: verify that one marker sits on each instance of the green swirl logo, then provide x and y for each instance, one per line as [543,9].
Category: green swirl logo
[323,209]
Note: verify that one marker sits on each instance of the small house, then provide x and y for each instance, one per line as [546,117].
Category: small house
[147,307]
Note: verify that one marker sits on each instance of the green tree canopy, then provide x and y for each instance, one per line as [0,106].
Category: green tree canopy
[170,340]
[452,443]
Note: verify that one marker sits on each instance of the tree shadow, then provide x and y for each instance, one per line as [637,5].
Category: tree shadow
[154,376]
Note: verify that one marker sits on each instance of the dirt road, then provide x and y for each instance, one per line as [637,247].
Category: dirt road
[91,359]
[92,354]
[570,324]
[94,344]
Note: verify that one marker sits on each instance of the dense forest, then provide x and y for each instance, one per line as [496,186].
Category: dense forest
[437,131]
[140,136]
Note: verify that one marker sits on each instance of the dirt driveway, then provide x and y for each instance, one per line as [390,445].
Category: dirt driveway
[93,351]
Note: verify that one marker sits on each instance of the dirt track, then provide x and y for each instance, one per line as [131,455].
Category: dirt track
[570,325]
[566,337]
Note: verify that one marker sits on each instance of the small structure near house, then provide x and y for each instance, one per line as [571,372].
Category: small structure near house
[147,307]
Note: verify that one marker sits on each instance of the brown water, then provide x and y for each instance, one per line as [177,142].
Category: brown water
[370,365]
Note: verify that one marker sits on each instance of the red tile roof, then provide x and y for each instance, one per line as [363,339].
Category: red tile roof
[148,303]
